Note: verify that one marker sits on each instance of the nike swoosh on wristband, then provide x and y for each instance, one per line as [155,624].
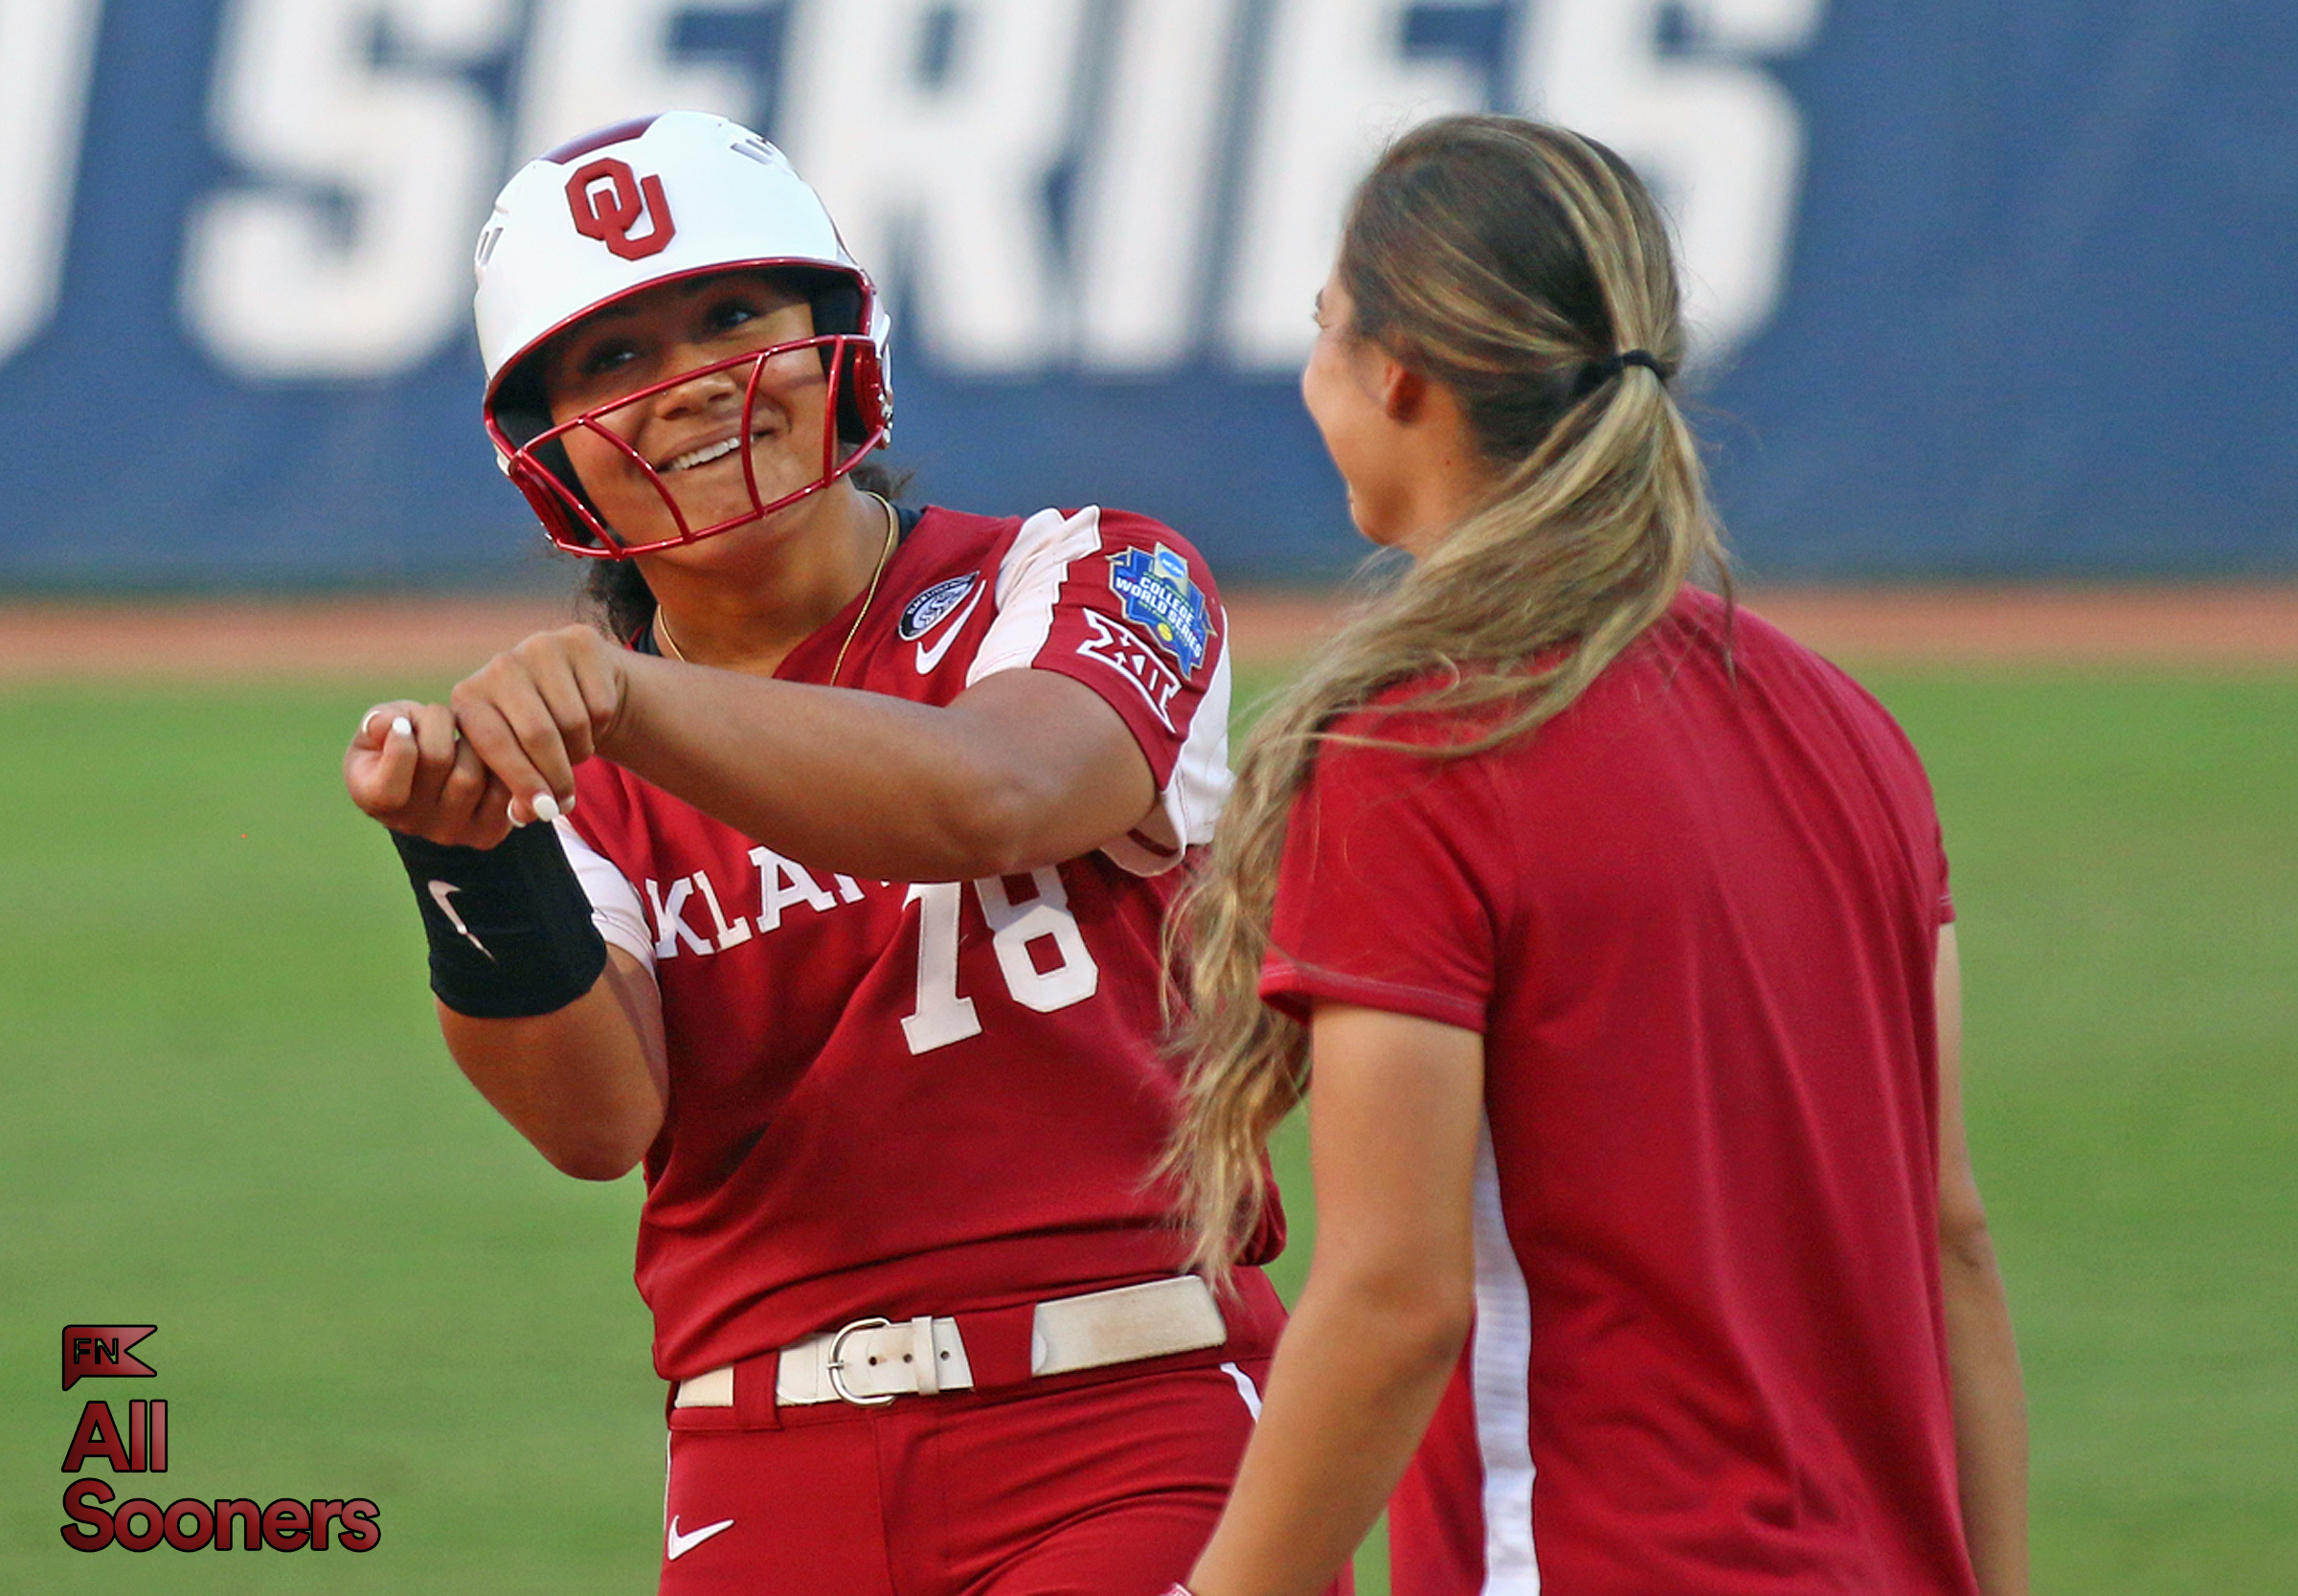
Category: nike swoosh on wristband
[928,657]
[682,1545]
[439,895]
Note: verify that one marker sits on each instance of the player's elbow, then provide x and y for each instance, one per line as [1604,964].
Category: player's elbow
[1428,1333]
[583,1083]
[598,1140]
[1420,1308]
[593,1156]
[1965,1242]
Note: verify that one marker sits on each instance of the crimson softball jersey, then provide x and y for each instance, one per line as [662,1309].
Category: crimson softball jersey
[899,1098]
[1695,919]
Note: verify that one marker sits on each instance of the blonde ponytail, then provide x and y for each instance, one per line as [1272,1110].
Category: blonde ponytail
[1517,264]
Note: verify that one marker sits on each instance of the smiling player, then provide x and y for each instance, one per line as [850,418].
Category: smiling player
[850,929]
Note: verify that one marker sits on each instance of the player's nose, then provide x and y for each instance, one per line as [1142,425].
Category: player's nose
[703,392]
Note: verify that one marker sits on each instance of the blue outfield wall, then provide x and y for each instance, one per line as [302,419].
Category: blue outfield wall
[1983,289]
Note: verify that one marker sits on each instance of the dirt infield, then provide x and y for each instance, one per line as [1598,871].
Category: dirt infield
[2075,627]
[427,638]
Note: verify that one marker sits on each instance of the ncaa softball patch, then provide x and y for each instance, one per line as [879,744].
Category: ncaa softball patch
[922,614]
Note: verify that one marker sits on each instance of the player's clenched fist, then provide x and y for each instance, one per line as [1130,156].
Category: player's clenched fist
[536,712]
[407,768]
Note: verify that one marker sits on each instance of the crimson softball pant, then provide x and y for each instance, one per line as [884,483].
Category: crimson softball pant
[1096,1484]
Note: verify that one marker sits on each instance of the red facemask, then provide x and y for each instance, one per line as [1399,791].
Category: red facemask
[542,473]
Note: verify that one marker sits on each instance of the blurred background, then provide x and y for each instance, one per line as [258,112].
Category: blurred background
[1994,309]
[1981,290]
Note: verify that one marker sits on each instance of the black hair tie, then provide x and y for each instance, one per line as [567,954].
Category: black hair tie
[1597,372]
[1619,363]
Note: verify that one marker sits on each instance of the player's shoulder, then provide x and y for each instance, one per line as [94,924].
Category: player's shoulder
[941,537]
[1746,640]
[1153,576]
[1399,746]
[1071,531]
[1756,643]
[1826,695]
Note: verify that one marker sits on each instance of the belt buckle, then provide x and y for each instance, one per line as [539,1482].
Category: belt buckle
[834,1365]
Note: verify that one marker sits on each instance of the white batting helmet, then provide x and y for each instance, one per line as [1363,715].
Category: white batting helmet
[676,196]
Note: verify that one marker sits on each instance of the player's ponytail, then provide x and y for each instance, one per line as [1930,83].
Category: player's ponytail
[1527,270]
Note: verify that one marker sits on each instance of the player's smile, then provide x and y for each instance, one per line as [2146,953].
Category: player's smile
[709,454]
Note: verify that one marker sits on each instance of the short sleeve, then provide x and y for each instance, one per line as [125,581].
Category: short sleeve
[1124,605]
[615,907]
[1393,889]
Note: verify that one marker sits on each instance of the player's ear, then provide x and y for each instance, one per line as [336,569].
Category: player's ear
[1403,392]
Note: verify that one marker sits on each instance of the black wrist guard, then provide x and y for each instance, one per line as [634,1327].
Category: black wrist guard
[511,930]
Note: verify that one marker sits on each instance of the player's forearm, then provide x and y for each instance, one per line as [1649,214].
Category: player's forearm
[865,783]
[1360,1371]
[583,1083]
[1990,1409]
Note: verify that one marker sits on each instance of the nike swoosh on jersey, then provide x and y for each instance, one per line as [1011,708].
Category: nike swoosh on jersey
[440,889]
[930,658]
[682,1545]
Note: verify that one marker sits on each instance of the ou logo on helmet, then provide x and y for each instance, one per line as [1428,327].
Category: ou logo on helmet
[608,199]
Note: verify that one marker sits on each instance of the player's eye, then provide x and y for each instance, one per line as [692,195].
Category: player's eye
[734,311]
[608,354]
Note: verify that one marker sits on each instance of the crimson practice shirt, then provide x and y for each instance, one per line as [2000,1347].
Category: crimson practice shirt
[1695,919]
[894,1099]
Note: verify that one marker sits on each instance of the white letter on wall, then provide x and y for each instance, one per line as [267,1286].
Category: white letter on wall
[47,50]
[593,63]
[1147,191]
[353,261]
[1338,87]
[1715,135]
[948,173]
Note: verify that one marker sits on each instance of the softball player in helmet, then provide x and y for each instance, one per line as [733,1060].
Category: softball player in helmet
[843,912]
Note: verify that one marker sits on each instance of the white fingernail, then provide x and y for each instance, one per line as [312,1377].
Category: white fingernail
[510,811]
[570,808]
[402,725]
[367,720]
[545,807]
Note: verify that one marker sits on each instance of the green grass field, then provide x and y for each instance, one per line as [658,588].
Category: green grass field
[226,1113]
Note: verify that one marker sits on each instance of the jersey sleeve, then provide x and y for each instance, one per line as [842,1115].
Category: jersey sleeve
[1122,605]
[1390,893]
[615,907]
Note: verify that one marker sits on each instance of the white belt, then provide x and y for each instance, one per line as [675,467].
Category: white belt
[874,1361]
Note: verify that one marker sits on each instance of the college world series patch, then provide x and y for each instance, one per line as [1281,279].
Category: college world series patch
[1157,594]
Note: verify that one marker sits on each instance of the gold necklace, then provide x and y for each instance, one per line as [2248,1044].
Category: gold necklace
[894,526]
